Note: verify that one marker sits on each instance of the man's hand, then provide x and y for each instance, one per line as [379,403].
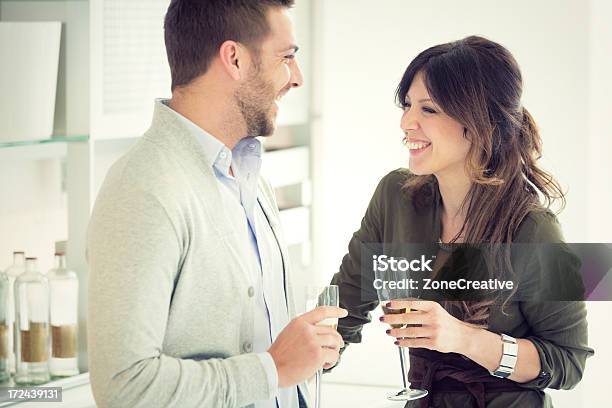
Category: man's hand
[302,347]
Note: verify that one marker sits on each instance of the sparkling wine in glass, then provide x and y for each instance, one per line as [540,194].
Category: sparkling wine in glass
[323,296]
[386,293]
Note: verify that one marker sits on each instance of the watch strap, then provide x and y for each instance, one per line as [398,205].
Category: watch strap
[509,357]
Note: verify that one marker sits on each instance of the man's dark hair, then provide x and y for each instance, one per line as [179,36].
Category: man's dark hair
[195,29]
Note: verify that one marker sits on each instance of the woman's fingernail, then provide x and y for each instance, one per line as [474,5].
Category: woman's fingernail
[388,304]
[382,318]
[388,331]
[396,342]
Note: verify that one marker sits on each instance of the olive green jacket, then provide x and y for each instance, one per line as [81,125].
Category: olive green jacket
[557,329]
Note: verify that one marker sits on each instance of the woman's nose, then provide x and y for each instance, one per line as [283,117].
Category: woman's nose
[408,121]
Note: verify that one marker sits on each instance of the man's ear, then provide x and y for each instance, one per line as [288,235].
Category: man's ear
[232,56]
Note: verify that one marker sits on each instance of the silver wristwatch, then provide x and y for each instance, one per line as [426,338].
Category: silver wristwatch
[509,356]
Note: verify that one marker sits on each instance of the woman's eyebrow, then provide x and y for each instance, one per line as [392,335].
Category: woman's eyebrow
[420,100]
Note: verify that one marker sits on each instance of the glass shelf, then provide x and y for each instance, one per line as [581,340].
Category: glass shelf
[55,139]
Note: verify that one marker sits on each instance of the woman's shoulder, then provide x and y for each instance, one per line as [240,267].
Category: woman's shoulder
[398,182]
[394,181]
[403,195]
[540,225]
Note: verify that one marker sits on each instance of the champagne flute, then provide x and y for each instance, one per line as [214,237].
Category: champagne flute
[385,294]
[323,296]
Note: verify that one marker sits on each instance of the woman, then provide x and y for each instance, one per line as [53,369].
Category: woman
[473,179]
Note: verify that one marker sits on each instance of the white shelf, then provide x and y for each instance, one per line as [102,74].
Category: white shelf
[287,166]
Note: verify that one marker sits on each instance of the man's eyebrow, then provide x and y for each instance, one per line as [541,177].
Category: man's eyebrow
[293,48]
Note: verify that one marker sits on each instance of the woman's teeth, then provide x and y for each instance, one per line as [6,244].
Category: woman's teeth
[416,146]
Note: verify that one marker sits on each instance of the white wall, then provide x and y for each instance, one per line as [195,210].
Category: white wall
[599,176]
[600,126]
[362,49]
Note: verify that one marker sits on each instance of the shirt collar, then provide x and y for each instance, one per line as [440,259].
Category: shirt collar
[212,146]
[249,146]
[216,153]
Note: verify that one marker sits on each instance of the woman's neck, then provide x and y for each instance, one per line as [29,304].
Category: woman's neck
[453,189]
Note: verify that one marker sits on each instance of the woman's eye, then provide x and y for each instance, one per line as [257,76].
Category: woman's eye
[428,110]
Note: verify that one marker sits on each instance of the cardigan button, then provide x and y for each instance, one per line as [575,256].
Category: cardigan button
[247,347]
[251,291]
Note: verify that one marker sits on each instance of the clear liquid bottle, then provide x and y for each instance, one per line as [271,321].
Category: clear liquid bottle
[12,273]
[64,297]
[5,373]
[32,326]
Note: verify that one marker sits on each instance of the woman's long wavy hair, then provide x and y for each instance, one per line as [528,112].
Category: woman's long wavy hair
[478,83]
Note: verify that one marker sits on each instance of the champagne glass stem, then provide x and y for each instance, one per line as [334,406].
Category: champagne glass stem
[404,368]
[318,389]
[327,296]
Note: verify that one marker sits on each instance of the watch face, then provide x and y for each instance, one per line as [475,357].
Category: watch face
[502,372]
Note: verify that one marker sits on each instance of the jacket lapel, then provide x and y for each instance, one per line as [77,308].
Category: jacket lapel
[274,222]
[272,217]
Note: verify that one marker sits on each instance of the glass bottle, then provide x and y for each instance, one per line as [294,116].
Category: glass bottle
[32,326]
[12,273]
[5,373]
[64,297]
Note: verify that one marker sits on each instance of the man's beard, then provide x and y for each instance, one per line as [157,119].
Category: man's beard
[255,99]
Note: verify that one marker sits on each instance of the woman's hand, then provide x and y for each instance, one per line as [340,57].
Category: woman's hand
[439,330]
[443,332]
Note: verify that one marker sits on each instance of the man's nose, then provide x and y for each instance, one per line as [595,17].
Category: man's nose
[297,79]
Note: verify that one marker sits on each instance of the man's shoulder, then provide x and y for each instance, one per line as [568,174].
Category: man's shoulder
[148,171]
[144,167]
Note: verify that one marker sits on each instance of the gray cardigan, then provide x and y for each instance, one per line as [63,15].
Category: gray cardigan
[170,313]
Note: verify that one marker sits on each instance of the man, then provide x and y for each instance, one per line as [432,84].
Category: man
[190,300]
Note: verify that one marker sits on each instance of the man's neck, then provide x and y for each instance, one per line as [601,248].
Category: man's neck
[215,114]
